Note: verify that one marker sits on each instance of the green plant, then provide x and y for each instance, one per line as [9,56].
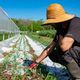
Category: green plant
[47,33]
[51,77]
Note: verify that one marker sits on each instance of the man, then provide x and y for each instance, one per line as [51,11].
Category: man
[65,48]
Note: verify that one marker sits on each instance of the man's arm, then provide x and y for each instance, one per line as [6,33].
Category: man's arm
[46,52]
[66,43]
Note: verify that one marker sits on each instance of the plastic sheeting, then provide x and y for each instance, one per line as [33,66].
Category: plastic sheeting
[6,24]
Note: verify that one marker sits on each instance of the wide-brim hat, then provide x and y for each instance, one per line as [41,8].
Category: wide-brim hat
[56,14]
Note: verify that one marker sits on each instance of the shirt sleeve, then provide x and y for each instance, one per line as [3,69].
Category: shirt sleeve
[74,29]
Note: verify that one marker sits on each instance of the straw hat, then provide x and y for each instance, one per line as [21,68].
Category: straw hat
[56,14]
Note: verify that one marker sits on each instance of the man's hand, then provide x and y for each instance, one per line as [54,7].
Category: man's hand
[33,65]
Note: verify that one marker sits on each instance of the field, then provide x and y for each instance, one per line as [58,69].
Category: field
[16,57]
[15,61]
[42,39]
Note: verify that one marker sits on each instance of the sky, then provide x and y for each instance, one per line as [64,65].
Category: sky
[36,9]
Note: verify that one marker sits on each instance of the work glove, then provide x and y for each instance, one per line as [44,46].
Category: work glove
[33,65]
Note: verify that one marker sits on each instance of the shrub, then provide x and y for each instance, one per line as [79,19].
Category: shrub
[47,33]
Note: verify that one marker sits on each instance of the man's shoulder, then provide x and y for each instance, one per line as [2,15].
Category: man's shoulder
[74,29]
[75,19]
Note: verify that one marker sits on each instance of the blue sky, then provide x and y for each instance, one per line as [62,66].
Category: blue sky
[36,9]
